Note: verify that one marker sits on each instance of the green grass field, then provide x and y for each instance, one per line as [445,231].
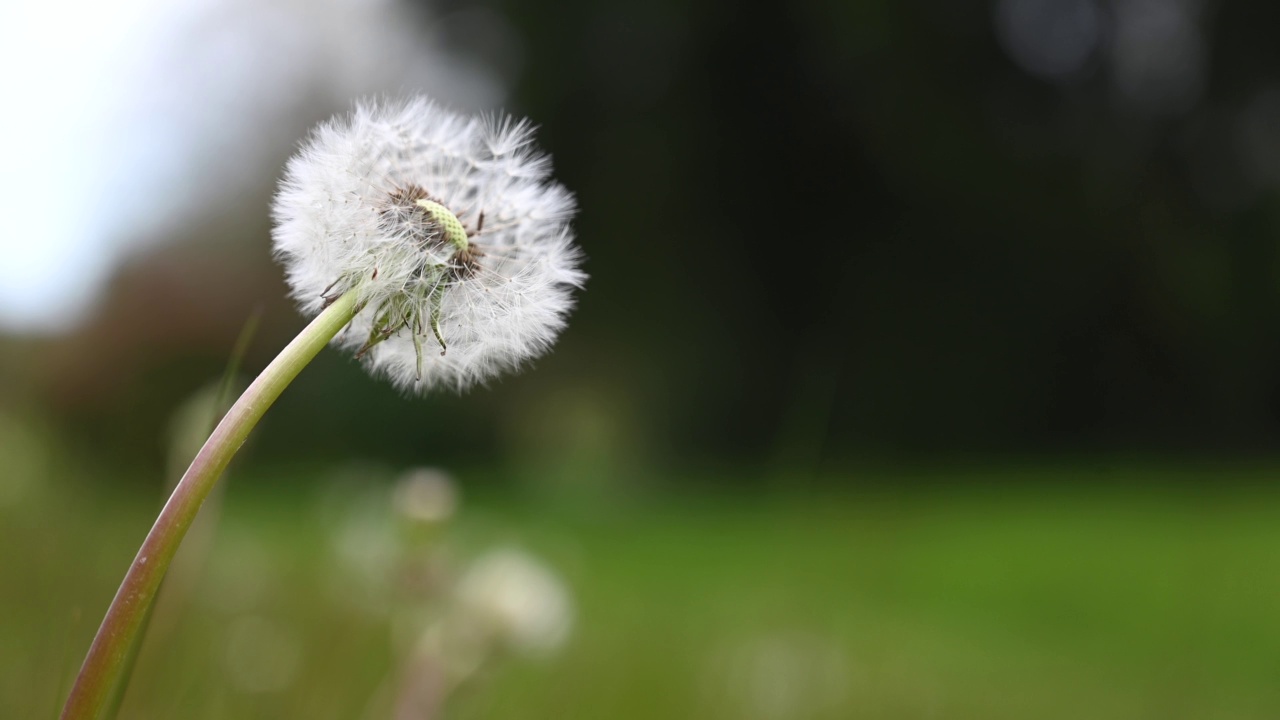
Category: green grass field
[1151,602]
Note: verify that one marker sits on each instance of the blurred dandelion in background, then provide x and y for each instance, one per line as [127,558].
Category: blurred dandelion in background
[449,622]
[427,496]
[505,603]
[516,601]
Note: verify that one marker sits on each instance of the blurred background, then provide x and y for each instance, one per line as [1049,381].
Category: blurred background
[929,365]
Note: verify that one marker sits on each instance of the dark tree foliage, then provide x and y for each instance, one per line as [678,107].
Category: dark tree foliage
[864,222]
[822,231]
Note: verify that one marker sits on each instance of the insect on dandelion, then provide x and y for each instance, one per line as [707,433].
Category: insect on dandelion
[433,245]
[448,229]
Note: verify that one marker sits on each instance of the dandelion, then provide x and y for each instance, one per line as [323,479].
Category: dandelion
[518,601]
[505,602]
[432,244]
[447,228]
[426,496]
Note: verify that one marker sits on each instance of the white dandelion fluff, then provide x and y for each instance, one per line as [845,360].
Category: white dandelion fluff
[449,229]
[515,600]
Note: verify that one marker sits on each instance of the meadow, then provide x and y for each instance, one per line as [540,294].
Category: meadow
[1059,597]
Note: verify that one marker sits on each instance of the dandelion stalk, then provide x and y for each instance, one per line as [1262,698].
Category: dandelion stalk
[103,665]
[217,408]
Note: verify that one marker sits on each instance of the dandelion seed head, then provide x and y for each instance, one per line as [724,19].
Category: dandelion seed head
[516,600]
[449,228]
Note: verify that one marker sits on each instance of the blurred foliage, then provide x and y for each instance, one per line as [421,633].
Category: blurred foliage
[973,602]
[827,231]
[868,210]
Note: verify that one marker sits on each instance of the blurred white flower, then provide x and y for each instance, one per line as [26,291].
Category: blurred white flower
[425,495]
[518,601]
[448,227]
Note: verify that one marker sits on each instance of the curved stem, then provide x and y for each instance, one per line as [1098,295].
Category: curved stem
[102,666]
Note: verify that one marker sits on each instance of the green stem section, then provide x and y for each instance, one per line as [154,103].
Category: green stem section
[106,659]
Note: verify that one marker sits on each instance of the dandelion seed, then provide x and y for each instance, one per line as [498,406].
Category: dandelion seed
[448,227]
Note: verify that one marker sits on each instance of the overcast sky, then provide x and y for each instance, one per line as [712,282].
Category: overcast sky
[118,115]
[64,75]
